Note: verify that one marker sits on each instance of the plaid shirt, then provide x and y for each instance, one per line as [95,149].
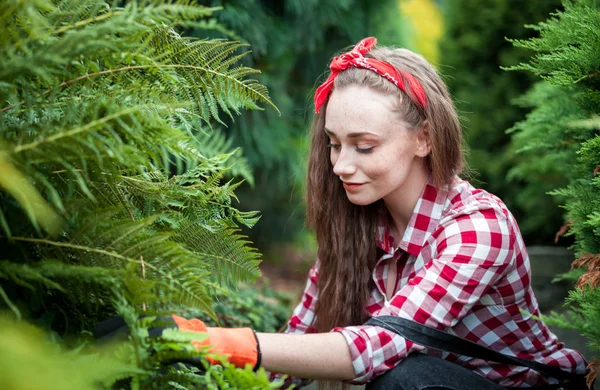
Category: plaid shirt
[461,266]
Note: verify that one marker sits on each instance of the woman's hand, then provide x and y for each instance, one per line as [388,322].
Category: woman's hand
[239,345]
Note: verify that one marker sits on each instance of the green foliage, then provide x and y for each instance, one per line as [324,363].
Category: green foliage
[114,196]
[219,377]
[563,133]
[472,52]
[30,361]
[569,43]
[558,128]
[262,309]
[583,316]
[26,350]
[544,146]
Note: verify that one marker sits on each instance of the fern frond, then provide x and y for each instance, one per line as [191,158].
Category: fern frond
[98,103]
[24,275]
[229,257]
[214,143]
[174,278]
[35,206]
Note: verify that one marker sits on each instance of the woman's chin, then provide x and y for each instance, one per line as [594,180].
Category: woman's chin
[360,200]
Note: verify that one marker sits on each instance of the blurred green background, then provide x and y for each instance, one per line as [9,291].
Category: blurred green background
[292,42]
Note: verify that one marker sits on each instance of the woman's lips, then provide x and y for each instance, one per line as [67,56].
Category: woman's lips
[352,186]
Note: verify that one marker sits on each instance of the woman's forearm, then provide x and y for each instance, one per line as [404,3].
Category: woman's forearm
[314,356]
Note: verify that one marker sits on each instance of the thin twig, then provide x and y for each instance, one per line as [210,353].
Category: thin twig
[589,76]
[143,277]
[122,198]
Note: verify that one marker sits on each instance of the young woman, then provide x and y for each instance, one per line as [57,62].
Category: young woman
[401,234]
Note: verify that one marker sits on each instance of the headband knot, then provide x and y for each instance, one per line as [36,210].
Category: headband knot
[346,60]
[356,58]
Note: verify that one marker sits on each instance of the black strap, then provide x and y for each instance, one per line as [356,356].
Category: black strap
[440,340]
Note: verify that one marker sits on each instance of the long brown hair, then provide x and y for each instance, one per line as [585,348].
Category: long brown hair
[347,250]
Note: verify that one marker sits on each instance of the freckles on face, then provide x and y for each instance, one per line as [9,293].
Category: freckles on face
[371,148]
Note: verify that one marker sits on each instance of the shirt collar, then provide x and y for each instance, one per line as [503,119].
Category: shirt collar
[424,220]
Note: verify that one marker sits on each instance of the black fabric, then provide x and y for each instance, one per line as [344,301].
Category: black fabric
[443,341]
[415,373]
[111,329]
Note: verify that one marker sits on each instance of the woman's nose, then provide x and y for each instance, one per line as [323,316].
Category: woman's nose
[344,164]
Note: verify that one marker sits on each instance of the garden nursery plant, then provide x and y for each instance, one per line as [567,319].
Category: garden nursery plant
[117,190]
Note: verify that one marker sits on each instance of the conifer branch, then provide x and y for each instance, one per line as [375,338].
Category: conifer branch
[589,76]
[562,131]
[594,367]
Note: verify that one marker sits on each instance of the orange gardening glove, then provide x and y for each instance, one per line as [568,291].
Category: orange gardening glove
[239,345]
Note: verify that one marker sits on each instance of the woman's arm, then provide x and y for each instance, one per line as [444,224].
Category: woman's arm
[314,356]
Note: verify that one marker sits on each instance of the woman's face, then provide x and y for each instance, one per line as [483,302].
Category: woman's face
[373,152]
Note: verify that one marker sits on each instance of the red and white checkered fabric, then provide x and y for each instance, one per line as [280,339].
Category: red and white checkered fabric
[462,266]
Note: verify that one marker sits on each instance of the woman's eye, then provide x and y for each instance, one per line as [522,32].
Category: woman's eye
[364,150]
[333,146]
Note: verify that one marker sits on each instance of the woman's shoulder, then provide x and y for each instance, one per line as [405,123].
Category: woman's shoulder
[464,197]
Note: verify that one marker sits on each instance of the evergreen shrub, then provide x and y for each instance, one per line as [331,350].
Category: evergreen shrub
[560,137]
[472,51]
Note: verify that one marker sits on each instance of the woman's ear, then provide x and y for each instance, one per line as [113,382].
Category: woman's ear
[423,140]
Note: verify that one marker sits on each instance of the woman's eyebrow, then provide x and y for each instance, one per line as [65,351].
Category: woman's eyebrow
[352,135]
[329,132]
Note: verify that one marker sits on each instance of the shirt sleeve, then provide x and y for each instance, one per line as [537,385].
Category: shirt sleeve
[302,321]
[303,316]
[471,251]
